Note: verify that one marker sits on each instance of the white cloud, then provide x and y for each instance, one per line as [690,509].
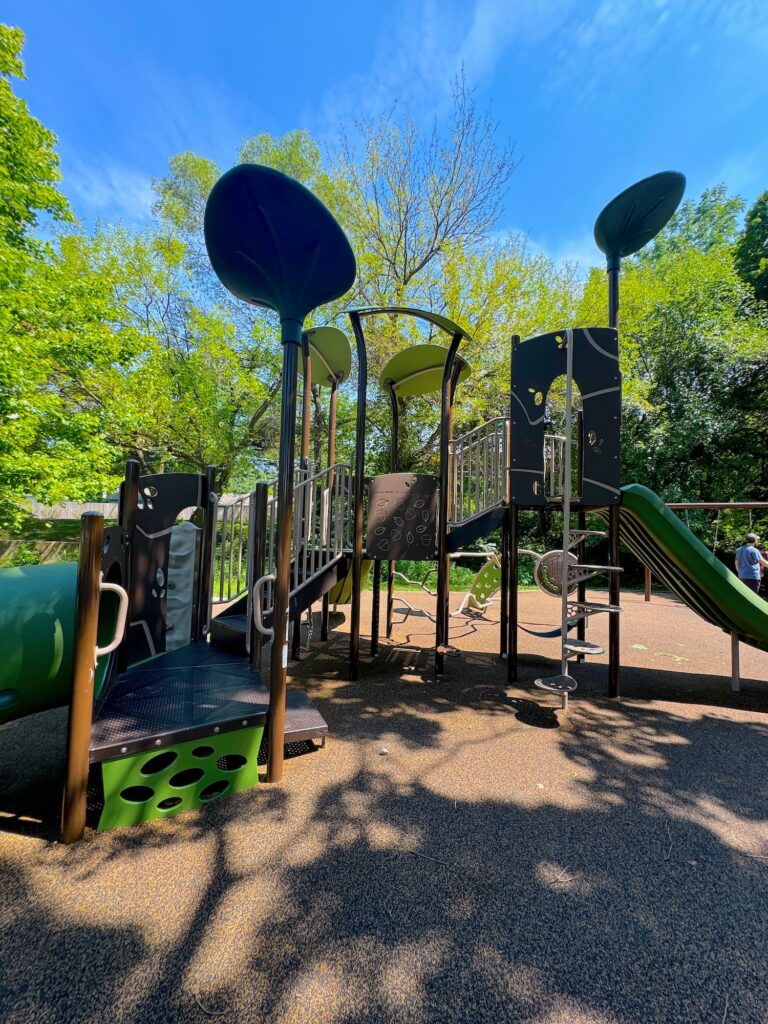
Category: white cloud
[106,189]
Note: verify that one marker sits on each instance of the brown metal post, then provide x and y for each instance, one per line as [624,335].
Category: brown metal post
[332,413]
[375,608]
[504,617]
[259,558]
[306,403]
[81,701]
[443,556]
[359,483]
[394,461]
[279,660]
[648,580]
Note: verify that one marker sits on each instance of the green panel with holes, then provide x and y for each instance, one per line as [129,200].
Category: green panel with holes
[163,782]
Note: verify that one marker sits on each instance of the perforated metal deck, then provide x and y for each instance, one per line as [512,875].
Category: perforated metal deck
[188,694]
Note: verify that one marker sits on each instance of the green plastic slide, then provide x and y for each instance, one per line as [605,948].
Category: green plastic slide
[656,536]
[37,637]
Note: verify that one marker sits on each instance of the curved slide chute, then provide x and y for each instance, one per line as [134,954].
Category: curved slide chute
[655,535]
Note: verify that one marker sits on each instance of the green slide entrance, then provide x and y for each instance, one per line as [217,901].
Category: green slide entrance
[655,535]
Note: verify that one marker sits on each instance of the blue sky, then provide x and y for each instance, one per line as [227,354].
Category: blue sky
[594,95]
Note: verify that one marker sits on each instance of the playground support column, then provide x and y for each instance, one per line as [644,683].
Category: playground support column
[375,608]
[357,549]
[614,625]
[504,595]
[279,662]
[259,512]
[81,702]
[332,406]
[394,458]
[735,670]
[512,539]
[306,409]
[443,555]
[129,501]
[513,594]
[648,580]
[581,593]
[205,585]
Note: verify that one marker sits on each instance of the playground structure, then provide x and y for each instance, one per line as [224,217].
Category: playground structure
[174,713]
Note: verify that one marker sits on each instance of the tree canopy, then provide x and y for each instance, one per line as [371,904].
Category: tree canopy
[120,342]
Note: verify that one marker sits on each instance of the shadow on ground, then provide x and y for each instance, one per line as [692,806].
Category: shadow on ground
[502,862]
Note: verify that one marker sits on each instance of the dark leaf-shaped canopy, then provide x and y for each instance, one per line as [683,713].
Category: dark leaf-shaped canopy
[638,214]
[274,244]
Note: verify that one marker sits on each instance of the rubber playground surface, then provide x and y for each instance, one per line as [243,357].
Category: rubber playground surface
[461,851]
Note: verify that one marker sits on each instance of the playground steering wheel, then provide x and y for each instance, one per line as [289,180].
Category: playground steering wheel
[548,571]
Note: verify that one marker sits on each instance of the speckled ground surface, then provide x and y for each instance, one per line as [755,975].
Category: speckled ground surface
[503,861]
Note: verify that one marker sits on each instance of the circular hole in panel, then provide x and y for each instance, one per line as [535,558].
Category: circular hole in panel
[214,789]
[186,777]
[150,491]
[159,763]
[160,577]
[231,762]
[169,803]
[137,794]
[203,751]
[538,398]
[8,698]
[592,437]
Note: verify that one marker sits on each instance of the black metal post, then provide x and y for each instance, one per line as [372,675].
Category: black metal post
[513,593]
[291,337]
[614,520]
[443,557]
[513,531]
[126,518]
[359,483]
[205,583]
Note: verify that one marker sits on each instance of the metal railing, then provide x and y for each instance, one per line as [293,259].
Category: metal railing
[231,543]
[554,465]
[478,470]
[322,528]
[233,540]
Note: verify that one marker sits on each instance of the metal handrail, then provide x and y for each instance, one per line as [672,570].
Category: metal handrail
[478,470]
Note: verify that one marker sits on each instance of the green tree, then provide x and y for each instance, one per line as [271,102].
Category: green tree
[48,319]
[752,248]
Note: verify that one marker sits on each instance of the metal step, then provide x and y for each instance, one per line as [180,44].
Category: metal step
[575,646]
[576,536]
[592,607]
[557,684]
[589,572]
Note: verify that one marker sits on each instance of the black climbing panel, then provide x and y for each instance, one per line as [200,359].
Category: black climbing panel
[402,517]
[536,363]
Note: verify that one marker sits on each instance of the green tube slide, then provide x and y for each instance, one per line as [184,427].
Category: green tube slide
[656,536]
[37,630]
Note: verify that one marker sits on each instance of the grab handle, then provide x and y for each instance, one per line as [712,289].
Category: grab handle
[257,620]
[122,616]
